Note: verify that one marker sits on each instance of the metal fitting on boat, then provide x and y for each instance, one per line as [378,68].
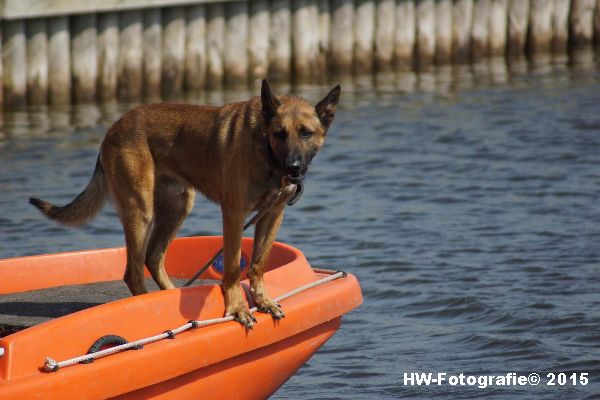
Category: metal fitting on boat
[51,365]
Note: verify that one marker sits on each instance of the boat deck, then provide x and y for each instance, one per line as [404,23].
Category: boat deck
[25,309]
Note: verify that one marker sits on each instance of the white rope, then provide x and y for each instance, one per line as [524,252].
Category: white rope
[52,365]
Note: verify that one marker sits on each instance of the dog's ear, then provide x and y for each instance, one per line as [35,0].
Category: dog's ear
[326,107]
[269,102]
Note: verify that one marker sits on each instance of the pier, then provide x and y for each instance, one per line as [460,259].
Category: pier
[71,51]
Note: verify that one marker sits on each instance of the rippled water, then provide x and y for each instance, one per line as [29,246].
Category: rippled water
[466,200]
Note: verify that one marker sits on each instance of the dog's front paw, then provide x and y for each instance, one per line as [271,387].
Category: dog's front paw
[241,314]
[266,305]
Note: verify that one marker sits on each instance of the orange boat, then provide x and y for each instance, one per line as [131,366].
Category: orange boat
[179,345]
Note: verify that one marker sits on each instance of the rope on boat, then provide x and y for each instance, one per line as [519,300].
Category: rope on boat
[52,365]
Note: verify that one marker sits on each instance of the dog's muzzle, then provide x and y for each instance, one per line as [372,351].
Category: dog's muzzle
[294,168]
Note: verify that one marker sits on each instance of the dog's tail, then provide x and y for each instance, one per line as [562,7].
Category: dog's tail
[83,208]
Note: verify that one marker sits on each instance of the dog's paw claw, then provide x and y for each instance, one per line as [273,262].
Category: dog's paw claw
[269,307]
[244,317]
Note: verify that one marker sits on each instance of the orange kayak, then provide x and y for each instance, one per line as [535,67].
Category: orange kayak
[218,361]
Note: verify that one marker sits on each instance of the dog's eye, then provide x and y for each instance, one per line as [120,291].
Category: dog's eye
[306,134]
[280,134]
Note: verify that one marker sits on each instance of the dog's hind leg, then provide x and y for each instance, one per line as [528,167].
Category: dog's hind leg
[136,218]
[136,226]
[172,203]
[131,184]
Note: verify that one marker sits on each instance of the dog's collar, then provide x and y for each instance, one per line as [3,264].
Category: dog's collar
[294,180]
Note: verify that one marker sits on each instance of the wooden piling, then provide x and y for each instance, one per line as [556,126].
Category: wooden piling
[280,33]
[324,37]
[405,34]
[425,32]
[426,81]
[1,68]
[406,81]
[152,53]
[462,19]
[581,22]
[384,33]
[84,58]
[596,23]
[342,35]
[305,38]
[498,70]
[517,65]
[173,51]
[315,36]
[364,35]
[581,60]
[14,63]
[235,55]
[444,80]
[480,29]
[518,24]
[215,35]
[120,51]
[59,60]
[131,55]
[540,26]
[498,20]
[108,55]
[443,39]
[560,24]
[37,61]
[258,39]
[195,48]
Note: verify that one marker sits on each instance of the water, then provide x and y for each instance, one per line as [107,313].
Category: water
[466,200]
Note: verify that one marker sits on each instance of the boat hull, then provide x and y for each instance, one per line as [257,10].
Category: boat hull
[218,361]
[249,376]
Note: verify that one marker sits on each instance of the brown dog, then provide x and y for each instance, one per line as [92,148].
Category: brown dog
[156,156]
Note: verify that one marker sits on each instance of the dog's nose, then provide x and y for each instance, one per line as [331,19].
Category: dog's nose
[295,167]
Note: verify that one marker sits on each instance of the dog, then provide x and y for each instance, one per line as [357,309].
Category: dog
[242,156]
